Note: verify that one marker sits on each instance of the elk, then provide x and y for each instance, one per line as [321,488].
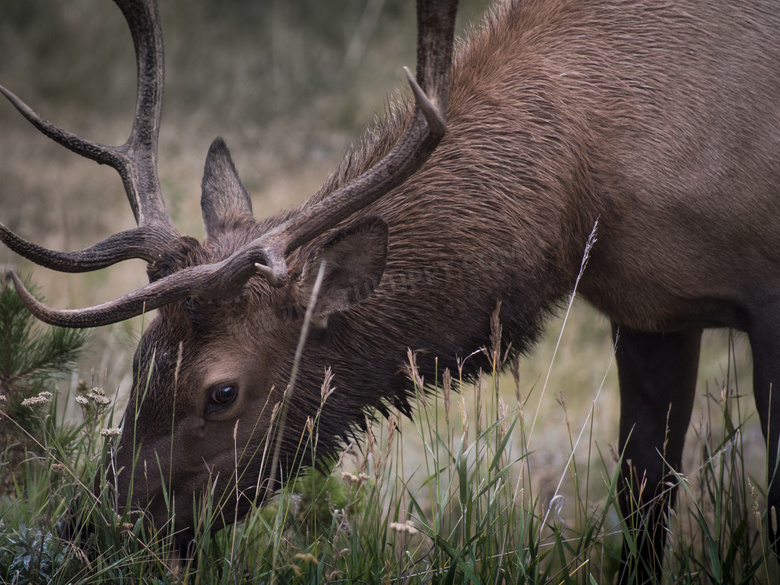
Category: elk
[660,120]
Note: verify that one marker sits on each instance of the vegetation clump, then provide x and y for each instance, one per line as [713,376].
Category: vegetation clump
[471,510]
[33,358]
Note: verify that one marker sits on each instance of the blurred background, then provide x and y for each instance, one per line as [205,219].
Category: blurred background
[289,85]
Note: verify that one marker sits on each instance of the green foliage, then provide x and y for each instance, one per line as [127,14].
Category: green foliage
[30,556]
[472,512]
[32,358]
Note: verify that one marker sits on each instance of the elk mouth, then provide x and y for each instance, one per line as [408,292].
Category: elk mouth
[79,534]
[78,530]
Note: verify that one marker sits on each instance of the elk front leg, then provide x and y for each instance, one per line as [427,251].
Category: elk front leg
[764,334]
[657,375]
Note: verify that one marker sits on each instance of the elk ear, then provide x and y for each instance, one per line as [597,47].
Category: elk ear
[355,258]
[224,202]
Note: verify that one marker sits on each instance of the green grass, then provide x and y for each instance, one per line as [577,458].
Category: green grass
[458,495]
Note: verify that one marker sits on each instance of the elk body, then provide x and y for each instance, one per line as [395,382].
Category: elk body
[661,120]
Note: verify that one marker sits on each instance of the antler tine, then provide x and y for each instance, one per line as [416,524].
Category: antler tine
[92,150]
[143,184]
[211,280]
[134,243]
[135,161]
[435,34]
[130,305]
[436,23]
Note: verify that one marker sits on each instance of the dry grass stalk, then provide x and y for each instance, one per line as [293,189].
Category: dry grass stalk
[495,338]
[446,384]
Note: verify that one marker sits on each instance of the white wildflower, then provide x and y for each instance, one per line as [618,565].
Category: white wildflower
[349,478]
[99,397]
[34,401]
[94,398]
[112,432]
[352,479]
[42,398]
[404,528]
[3,398]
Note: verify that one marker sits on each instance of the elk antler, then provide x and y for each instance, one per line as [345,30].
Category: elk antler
[266,255]
[135,161]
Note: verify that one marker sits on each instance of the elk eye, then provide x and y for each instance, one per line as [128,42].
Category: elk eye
[224,394]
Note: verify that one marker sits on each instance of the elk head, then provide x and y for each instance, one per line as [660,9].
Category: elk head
[217,358]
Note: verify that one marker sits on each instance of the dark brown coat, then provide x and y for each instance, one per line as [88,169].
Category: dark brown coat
[659,119]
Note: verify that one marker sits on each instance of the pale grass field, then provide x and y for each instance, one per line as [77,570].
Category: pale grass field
[63,202]
[579,407]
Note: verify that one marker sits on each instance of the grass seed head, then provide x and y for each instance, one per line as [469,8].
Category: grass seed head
[446,383]
[495,337]
[326,389]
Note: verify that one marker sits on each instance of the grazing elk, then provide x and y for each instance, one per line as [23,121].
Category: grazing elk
[661,120]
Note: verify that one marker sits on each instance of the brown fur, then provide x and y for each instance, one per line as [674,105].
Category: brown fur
[660,119]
